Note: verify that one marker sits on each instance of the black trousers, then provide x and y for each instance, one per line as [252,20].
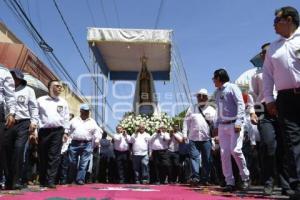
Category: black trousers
[289,119]
[30,166]
[62,172]
[174,166]
[2,127]
[160,165]
[49,147]
[122,160]
[15,139]
[95,169]
[185,168]
[272,151]
[106,168]
[268,128]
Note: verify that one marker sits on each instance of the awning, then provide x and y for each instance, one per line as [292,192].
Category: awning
[119,51]
[39,88]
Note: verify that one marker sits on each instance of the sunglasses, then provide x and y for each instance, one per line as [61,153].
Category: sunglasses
[58,86]
[277,19]
[201,95]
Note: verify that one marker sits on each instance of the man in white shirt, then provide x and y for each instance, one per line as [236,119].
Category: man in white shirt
[26,121]
[271,151]
[282,70]
[140,151]
[173,154]
[159,143]
[7,100]
[197,127]
[54,127]
[83,130]
[121,149]
[229,128]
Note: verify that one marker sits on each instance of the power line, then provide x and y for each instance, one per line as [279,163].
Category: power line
[159,13]
[91,13]
[103,12]
[37,5]
[71,35]
[42,43]
[182,68]
[77,47]
[117,13]
[26,22]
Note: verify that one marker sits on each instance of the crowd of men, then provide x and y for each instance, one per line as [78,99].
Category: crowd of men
[246,135]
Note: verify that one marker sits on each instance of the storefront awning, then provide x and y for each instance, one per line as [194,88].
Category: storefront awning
[39,88]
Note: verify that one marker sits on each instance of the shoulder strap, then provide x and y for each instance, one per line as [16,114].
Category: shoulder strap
[200,110]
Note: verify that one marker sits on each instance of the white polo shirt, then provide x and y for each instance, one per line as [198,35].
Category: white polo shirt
[85,130]
[121,142]
[26,107]
[7,90]
[160,141]
[140,142]
[53,112]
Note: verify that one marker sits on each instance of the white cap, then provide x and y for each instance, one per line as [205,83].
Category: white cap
[202,91]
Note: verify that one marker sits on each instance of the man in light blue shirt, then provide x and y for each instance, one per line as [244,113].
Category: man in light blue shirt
[231,111]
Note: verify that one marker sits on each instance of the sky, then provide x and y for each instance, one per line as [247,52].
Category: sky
[209,34]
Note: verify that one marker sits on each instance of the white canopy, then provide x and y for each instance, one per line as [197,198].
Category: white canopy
[118,51]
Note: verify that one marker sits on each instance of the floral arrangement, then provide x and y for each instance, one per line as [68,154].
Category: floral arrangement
[131,122]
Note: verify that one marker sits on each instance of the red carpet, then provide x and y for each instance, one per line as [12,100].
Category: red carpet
[123,192]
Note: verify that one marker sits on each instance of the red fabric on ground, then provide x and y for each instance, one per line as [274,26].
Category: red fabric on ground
[123,192]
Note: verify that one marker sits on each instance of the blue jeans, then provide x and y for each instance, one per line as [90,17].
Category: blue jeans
[84,150]
[141,167]
[203,147]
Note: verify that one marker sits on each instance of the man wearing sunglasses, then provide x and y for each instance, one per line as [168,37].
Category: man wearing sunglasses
[271,149]
[54,126]
[282,69]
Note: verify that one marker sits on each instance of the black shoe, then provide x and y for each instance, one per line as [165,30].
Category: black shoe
[80,182]
[17,186]
[6,187]
[287,192]
[51,185]
[228,188]
[295,195]
[194,181]
[63,183]
[268,189]
[245,185]
[205,183]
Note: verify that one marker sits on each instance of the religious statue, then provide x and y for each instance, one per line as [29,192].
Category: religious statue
[144,101]
[145,89]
